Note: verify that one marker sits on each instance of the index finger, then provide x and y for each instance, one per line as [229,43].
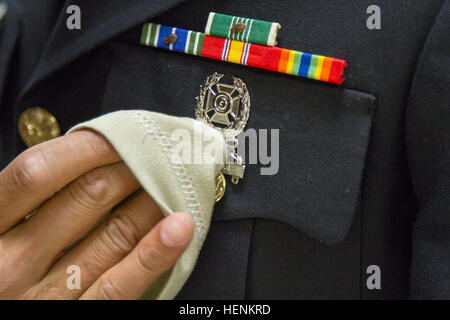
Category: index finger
[39,172]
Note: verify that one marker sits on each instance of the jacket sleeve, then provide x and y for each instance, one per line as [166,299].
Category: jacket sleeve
[9,34]
[428,152]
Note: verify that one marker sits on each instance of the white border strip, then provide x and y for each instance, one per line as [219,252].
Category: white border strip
[149,32]
[188,39]
[249,30]
[209,23]
[272,40]
[155,42]
[197,36]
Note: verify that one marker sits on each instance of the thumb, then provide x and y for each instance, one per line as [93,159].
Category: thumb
[154,254]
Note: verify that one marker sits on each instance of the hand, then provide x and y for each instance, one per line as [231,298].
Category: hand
[71,182]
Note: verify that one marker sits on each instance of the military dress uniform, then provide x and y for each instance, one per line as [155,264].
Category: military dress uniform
[364,175]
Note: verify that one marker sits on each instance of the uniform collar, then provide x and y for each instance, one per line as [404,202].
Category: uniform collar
[101,20]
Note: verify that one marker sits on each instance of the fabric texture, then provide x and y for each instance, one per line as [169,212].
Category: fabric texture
[144,141]
[428,149]
[255,31]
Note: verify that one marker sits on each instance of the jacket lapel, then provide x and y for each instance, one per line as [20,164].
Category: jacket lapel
[8,38]
[100,21]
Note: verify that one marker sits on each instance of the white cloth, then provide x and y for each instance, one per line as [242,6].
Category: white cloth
[144,141]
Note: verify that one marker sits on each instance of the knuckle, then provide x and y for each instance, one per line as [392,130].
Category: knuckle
[151,259]
[91,190]
[30,171]
[107,290]
[98,144]
[120,235]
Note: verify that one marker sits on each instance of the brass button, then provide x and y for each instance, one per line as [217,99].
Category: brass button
[37,125]
[221,185]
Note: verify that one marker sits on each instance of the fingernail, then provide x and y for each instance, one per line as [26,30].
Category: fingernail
[176,230]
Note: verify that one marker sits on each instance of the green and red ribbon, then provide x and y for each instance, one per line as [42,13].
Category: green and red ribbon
[271,58]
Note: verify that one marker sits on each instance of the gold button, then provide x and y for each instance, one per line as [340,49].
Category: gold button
[221,185]
[37,125]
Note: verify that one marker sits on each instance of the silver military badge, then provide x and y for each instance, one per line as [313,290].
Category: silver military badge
[225,107]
